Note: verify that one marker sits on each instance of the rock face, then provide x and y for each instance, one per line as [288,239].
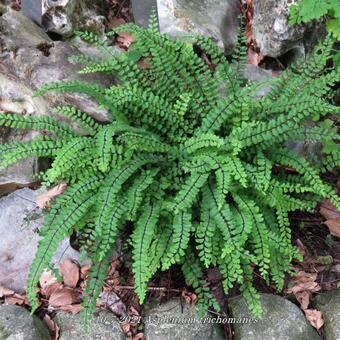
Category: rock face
[270,26]
[282,320]
[160,323]
[16,323]
[214,18]
[19,223]
[63,17]
[29,59]
[104,326]
[329,304]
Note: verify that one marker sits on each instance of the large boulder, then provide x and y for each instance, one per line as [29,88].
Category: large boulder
[175,321]
[16,323]
[281,320]
[329,304]
[29,59]
[103,326]
[214,18]
[20,221]
[272,33]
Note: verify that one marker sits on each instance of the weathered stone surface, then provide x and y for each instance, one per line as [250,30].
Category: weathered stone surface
[104,326]
[282,320]
[156,326]
[215,18]
[19,223]
[29,59]
[257,74]
[270,26]
[63,17]
[329,304]
[16,323]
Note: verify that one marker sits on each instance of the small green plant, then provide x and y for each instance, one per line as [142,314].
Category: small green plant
[308,10]
[192,157]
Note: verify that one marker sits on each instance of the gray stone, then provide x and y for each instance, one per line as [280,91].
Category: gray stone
[141,10]
[29,59]
[104,326]
[281,320]
[20,221]
[16,323]
[32,9]
[259,75]
[63,17]
[270,27]
[329,304]
[214,18]
[156,326]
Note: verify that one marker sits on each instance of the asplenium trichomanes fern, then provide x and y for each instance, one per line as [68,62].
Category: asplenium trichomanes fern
[192,157]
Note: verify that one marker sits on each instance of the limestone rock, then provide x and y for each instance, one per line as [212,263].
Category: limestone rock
[329,304]
[282,320]
[214,18]
[104,326]
[160,323]
[29,59]
[270,26]
[63,17]
[20,221]
[16,323]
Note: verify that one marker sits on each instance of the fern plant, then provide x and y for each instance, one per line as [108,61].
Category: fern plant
[308,10]
[192,157]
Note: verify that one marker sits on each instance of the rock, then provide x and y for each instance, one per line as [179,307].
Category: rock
[63,17]
[272,33]
[214,18]
[104,326]
[329,304]
[29,59]
[282,320]
[185,323]
[259,75]
[16,323]
[19,222]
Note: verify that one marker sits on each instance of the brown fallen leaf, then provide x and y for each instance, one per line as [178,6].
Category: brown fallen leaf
[47,279]
[254,57]
[16,299]
[63,296]
[53,327]
[84,270]
[112,301]
[304,298]
[115,22]
[5,291]
[45,199]
[139,336]
[189,297]
[124,40]
[70,273]
[74,309]
[332,216]
[314,317]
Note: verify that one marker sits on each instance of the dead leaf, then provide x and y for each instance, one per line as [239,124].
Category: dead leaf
[189,297]
[112,301]
[63,297]
[5,291]
[16,299]
[49,290]
[45,199]
[47,279]
[84,270]
[254,57]
[314,317]
[126,328]
[124,40]
[329,210]
[70,273]
[74,309]
[115,22]
[53,327]
[139,336]
[334,226]
[304,298]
